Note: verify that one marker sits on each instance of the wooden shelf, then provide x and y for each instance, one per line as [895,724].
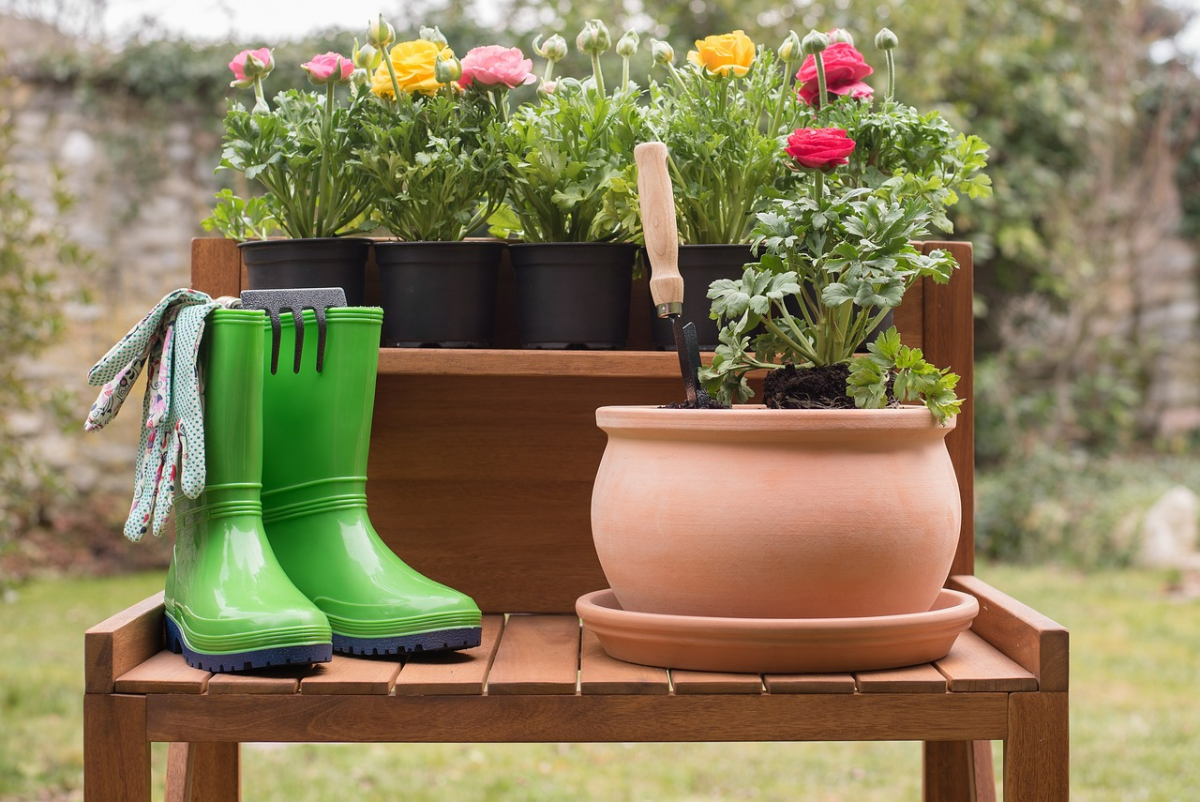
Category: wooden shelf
[531,362]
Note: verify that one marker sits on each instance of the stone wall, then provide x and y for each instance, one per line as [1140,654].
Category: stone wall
[142,181]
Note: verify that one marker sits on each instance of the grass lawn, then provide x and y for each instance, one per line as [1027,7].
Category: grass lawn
[1135,721]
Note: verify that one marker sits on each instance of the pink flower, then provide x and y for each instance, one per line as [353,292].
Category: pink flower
[496,67]
[845,69]
[329,67]
[250,64]
[819,148]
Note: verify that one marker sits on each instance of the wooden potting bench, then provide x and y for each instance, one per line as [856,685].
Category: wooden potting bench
[480,476]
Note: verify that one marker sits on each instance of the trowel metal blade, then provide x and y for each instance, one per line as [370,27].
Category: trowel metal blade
[688,348]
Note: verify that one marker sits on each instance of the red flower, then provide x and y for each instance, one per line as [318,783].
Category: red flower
[844,71]
[819,148]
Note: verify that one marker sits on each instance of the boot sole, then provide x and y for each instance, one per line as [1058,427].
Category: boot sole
[443,640]
[246,661]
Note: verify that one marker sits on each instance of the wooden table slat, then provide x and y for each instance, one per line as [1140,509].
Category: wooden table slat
[452,673]
[165,672]
[352,675]
[266,681]
[809,683]
[914,679]
[538,654]
[975,666]
[601,674]
[714,682]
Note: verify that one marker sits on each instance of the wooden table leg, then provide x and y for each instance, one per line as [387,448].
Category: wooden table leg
[116,754]
[204,772]
[1036,753]
[959,771]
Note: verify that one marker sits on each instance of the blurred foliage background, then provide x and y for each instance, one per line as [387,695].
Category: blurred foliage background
[1091,108]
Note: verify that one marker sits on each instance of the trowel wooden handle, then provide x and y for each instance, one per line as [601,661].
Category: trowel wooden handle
[658,224]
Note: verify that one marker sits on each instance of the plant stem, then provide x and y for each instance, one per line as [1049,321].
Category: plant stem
[797,347]
[679,80]
[326,126]
[820,62]
[598,74]
[387,59]
[820,176]
[891,82]
[260,100]
[624,73]
[783,93]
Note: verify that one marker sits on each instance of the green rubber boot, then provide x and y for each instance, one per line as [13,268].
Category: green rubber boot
[317,429]
[229,604]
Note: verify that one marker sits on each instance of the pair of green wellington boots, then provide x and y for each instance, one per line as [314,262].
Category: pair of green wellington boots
[277,562]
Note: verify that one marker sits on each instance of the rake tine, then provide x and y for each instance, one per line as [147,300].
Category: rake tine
[273,302]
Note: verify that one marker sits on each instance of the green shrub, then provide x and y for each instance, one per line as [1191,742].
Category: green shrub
[1071,507]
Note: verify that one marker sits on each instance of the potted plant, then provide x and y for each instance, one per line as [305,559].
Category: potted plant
[434,167]
[721,117]
[572,201]
[300,152]
[838,498]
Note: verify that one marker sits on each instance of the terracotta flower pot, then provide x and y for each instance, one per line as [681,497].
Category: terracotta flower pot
[758,513]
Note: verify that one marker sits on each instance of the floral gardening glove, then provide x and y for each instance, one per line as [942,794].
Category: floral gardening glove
[167,342]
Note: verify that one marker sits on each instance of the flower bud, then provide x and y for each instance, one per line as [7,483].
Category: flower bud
[447,70]
[366,57]
[262,67]
[434,35]
[662,53]
[791,48]
[553,49]
[380,34]
[627,45]
[815,42]
[842,36]
[251,64]
[594,38]
[547,87]
[886,40]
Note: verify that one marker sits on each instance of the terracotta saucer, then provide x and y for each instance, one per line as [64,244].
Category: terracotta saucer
[777,645]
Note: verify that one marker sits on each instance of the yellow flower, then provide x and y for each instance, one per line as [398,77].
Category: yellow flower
[414,63]
[724,55]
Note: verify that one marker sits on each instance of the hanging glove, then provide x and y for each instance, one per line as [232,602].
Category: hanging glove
[167,343]
[120,367]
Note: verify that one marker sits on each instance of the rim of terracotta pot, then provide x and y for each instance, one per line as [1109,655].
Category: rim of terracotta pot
[747,419]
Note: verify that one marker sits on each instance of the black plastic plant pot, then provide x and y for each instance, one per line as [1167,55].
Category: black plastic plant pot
[438,294]
[290,264]
[700,266]
[573,294]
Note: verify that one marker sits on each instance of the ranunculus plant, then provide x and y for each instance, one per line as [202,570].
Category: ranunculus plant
[433,159]
[721,116]
[838,248]
[570,154]
[299,151]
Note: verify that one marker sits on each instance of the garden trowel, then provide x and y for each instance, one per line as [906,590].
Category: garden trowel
[662,246]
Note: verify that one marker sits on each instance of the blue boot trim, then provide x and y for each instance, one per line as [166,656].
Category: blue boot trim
[246,661]
[441,640]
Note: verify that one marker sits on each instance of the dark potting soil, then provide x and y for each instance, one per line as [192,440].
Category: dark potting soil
[822,387]
[703,402]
